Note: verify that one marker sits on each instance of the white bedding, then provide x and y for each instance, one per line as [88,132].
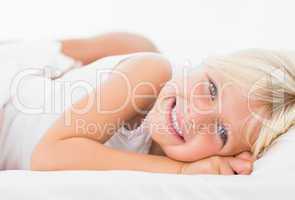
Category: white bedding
[136,185]
[272,179]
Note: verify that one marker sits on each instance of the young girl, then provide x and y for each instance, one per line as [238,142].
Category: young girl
[145,115]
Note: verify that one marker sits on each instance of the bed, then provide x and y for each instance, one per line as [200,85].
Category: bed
[136,185]
[272,179]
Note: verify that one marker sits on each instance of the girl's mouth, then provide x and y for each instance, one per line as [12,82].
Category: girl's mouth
[173,124]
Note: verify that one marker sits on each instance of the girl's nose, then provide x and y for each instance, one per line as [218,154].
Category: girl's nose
[193,121]
[199,121]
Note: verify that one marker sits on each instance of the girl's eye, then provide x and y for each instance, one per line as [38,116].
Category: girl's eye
[212,90]
[222,132]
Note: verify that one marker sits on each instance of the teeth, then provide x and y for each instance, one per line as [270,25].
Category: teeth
[175,123]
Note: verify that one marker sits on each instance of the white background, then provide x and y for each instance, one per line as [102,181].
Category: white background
[186,29]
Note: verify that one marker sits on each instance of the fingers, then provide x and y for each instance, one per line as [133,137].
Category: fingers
[221,165]
[226,169]
[246,156]
[241,166]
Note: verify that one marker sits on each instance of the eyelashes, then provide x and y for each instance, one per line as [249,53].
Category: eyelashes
[222,132]
[212,90]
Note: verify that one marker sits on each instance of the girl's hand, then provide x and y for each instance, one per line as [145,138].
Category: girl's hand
[240,164]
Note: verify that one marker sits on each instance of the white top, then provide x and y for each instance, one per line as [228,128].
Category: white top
[40,61]
[136,140]
[17,57]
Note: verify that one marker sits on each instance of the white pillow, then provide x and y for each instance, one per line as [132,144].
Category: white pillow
[279,158]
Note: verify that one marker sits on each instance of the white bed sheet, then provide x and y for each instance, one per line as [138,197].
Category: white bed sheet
[137,185]
[273,178]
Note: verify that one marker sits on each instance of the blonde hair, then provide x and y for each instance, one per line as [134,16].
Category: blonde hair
[270,75]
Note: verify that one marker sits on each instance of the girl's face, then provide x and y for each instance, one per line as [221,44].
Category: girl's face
[200,113]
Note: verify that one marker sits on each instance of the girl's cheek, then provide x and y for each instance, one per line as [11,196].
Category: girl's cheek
[203,148]
[201,154]
[193,150]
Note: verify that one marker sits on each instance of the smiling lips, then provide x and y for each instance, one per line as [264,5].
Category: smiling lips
[173,121]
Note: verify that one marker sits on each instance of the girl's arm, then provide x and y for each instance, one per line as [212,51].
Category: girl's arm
[86,154]
[115,43]
[78,153]
[69,147]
